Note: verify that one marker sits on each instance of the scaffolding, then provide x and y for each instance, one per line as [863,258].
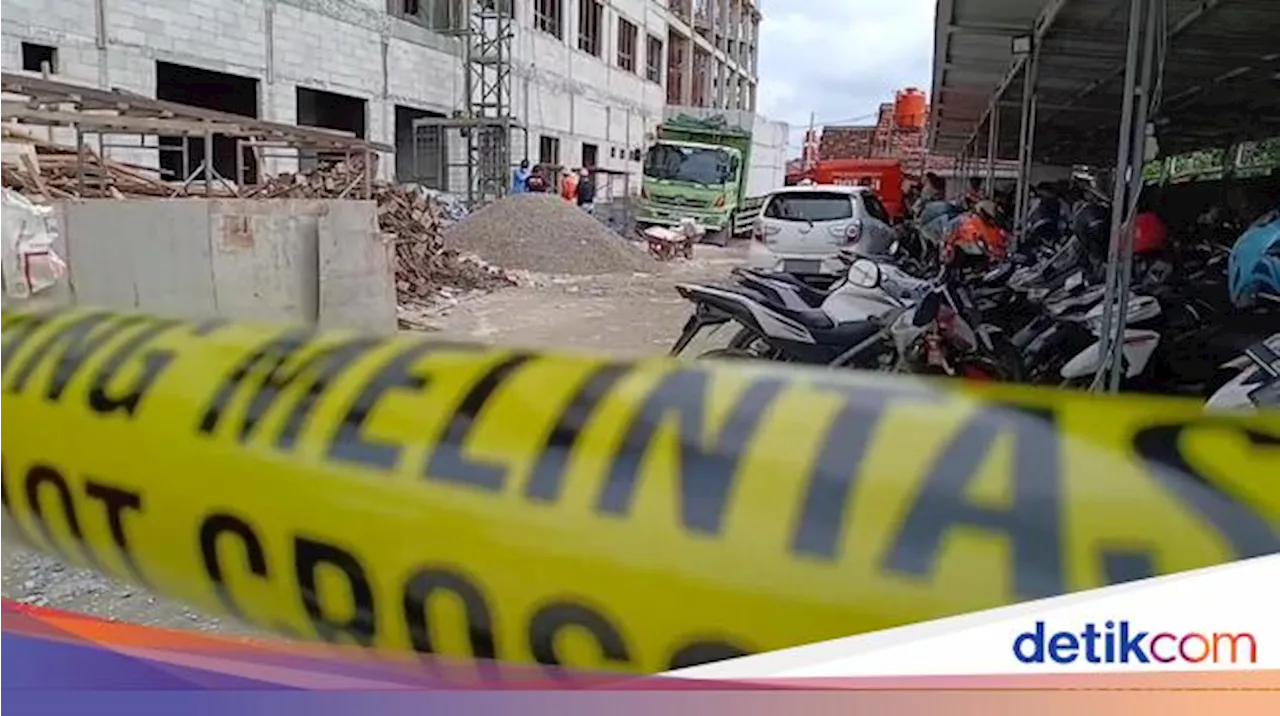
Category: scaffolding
[485,127]
[111,116]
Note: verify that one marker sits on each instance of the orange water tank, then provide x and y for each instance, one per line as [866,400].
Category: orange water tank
[910,109]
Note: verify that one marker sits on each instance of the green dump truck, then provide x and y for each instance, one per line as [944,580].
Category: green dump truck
[698,169]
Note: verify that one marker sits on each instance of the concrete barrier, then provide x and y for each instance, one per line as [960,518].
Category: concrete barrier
[294,261]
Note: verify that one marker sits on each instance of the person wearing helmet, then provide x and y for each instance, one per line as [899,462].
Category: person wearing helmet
[1253,269]
[976,237]
[1152,262]
[1149,234]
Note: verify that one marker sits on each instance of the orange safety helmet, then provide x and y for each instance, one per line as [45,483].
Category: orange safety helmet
[1149,233]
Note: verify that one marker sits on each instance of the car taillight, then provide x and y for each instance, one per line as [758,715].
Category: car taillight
[854,232]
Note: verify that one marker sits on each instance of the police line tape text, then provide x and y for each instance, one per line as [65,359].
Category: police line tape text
[345,614]
[120,359]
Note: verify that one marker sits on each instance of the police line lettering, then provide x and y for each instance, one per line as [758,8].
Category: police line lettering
[461,499]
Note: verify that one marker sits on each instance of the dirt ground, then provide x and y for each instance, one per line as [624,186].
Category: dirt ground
[619,314]
[626,315]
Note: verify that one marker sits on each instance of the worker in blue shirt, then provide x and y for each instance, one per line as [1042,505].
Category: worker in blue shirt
[520,179]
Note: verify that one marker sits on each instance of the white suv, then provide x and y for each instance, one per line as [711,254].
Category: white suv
[802,229]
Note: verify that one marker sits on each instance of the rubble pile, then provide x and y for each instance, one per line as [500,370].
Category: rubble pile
[426,269]
[45,171]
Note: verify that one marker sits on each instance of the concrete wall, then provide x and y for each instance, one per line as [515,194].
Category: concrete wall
[282,261]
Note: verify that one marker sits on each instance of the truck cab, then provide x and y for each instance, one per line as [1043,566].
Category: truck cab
[690,179]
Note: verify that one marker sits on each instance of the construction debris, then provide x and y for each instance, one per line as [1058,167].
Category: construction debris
[544,233]
[44,171]
[425,268]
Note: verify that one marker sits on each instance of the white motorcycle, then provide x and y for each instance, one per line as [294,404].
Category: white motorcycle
[1137,346]
[896,322]
[1257,385]
[778,321]
[846,300]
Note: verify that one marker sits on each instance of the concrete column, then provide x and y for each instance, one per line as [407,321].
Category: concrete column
[755,45]
[686,73]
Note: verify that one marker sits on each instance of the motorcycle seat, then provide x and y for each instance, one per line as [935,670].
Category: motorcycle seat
[827,331]
[848,334]
[815,319]
[809,294]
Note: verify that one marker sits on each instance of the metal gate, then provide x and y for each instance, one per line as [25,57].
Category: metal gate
[430,155]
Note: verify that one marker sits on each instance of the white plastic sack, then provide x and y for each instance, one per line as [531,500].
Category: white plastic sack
[30,264]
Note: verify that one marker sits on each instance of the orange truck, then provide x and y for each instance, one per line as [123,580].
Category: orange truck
[884,176]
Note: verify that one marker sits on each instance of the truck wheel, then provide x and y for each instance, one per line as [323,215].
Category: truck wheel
[716,238]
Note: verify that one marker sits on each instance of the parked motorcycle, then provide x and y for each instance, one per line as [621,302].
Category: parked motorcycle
[966,303]
[1257,382]
[893,322]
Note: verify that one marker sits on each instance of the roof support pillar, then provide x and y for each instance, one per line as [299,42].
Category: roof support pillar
[1026,138]
[993,147]
[1048,16]
[1138,80]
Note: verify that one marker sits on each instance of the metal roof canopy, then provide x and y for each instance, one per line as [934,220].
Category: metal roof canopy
[1221,78]
[972,63]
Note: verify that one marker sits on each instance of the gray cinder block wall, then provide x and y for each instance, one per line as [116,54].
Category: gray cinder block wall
[363,49]
[320,262]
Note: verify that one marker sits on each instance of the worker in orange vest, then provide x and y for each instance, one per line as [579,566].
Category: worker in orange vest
[569,186]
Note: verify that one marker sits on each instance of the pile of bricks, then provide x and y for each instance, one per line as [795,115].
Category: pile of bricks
[845,142]
[881,140]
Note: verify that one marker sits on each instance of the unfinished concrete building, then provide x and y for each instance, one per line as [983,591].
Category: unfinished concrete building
[586,80]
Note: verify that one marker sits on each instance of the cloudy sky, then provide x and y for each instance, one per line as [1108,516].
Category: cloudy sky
[840,58]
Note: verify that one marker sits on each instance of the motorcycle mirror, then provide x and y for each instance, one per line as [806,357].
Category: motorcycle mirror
[893,248]
[864,273]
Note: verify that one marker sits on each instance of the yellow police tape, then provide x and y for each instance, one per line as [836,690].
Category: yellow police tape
[409,494]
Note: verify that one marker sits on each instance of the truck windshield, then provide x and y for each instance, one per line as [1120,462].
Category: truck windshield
[691,164]
[810,206]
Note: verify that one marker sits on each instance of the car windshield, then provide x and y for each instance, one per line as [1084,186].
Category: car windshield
[810,206]
[689,164]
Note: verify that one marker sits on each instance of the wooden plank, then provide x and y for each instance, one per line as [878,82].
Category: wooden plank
[115,99]
[20,111]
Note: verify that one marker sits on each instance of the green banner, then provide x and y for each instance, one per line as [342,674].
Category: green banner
[1247,159]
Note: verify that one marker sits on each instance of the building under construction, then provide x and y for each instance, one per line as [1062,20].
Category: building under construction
[462,89]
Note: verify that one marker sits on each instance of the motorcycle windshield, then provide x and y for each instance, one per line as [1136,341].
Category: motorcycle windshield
[1047,272]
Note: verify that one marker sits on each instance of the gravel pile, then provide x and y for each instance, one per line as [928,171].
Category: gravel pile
[543,233]
[43,581]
